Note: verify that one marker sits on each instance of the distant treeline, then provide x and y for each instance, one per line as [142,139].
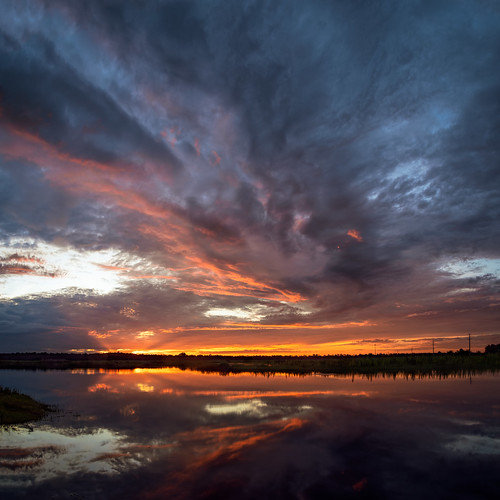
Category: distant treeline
[492,348]
[458,362]
[74,356]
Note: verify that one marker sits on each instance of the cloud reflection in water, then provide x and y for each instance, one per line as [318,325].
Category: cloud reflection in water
[182,435]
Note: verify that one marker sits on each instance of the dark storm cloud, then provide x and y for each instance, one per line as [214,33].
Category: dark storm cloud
[29,203]
[66,108]
[37,324]
[382,99]
[336,152]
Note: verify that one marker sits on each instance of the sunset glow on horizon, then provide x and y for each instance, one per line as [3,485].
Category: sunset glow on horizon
[271,178]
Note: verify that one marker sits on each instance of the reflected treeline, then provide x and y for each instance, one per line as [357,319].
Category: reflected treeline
[420,375]
[440,365]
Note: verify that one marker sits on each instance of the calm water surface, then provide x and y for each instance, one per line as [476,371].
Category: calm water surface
[168,434]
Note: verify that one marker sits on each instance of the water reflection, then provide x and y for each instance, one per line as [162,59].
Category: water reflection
[166,433]
[48,454]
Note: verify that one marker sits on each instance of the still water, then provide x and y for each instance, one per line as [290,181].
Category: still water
[169,434]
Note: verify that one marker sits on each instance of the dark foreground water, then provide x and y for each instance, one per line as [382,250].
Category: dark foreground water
[168,434]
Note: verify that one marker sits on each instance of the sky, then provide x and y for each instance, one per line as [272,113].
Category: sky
[280,177]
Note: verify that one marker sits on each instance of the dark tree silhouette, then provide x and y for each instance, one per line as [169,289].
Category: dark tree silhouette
[492,348]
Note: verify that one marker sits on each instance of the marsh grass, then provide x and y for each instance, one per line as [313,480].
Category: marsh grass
[382,364]
[17,408]
[420,364]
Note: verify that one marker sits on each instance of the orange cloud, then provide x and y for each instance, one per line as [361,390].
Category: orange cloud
[353,233]
[94,333]
[113,268]
[216,159]
[88,176]
[81,175]
[230,281]
[10,269]
[35,149]
[205,278]
[22,258]
[15,269]
[248,326]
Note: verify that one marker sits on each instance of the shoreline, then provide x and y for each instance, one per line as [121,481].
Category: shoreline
[17,408]
[419,363]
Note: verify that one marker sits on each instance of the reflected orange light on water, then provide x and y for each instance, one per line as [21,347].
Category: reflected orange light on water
[222,445]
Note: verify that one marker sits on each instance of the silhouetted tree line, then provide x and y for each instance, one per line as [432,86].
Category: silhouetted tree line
[123,356]
[492,348]
[71,356]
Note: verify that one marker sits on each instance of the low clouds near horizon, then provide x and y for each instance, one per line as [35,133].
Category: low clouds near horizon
[249,176]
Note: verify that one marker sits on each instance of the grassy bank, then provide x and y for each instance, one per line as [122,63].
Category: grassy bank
[16,408]
[461,362]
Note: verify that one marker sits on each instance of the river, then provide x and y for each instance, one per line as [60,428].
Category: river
[172,434]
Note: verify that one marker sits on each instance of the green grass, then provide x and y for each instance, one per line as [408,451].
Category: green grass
[17,408]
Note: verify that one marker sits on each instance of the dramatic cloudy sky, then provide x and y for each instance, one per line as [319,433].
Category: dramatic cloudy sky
[271,176]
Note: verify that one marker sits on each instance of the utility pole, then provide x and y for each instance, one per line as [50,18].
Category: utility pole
[469,343]
[432,346]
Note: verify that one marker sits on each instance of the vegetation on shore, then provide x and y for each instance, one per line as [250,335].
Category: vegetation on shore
[458,362]
[17,408]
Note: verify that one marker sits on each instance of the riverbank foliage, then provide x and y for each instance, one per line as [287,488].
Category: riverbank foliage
[458,362]
[17,408]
